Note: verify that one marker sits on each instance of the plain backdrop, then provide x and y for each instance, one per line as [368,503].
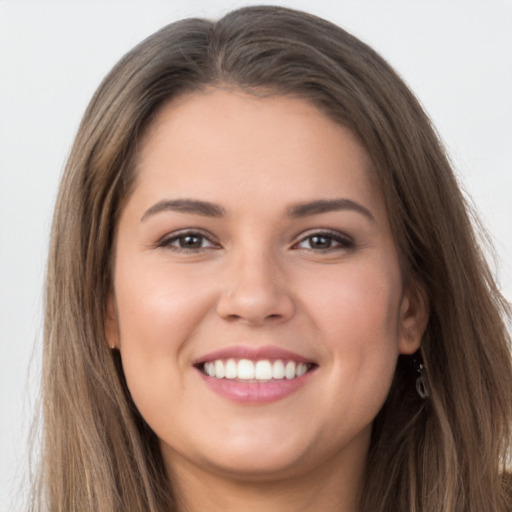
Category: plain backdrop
[455,55]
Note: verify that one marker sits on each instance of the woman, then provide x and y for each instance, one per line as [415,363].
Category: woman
[264,290]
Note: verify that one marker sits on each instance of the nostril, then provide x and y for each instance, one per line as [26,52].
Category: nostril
[233,317]
[255,303]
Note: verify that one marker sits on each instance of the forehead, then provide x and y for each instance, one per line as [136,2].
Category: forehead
[214,141]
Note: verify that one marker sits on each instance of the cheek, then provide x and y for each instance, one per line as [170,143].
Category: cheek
[357,314]
[360,327]
[157,314]
[360,302]
[157,307]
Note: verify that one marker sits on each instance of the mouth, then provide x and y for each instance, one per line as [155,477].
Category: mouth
[260,370]
[255,375]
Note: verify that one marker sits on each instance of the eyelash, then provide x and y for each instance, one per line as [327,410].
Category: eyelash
[343,242]
[182,235]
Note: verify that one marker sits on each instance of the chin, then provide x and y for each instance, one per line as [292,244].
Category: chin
[263,452]
[255,466]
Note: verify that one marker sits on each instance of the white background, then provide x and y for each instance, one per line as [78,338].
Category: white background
[456,55]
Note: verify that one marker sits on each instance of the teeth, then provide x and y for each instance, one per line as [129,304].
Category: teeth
[231,369]
[245,369]
[263,370]
[278,369]
[220,371]
[289,371]
[210,369]
[302,368]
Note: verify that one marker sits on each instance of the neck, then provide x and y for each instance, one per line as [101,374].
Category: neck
[330,488]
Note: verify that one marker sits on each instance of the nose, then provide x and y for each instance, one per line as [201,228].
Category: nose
[255,291]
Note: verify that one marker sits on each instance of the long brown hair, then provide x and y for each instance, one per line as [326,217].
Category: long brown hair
[446,453]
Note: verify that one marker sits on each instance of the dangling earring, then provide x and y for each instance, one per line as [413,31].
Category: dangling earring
[421,384]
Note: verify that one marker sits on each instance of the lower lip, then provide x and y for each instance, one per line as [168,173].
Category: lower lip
[255,392]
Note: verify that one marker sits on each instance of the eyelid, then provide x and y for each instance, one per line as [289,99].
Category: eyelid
[345,241]
[167,239]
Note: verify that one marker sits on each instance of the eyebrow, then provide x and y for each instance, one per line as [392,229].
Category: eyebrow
[207,209]
[328,205]
[192,206]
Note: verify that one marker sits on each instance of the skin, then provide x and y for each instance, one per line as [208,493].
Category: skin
[258,278]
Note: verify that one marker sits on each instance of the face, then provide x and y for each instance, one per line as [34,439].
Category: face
[258,303]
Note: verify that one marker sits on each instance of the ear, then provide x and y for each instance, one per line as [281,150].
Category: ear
[111,324]
[414,315]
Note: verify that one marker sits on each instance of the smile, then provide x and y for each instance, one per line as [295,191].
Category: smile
[263,370]
[255,375]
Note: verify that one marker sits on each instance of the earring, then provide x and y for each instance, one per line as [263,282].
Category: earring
[421,383]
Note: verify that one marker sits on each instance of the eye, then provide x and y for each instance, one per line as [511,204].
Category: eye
[325,241]
[187,241]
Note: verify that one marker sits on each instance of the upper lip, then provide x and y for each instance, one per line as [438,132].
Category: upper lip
[253,353]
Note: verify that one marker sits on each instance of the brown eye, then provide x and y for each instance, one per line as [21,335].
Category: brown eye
[325,241]
[319,242]
[187,241]
[190,241]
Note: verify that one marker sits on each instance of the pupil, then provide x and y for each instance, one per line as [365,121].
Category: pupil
[320,242]
[190,241]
